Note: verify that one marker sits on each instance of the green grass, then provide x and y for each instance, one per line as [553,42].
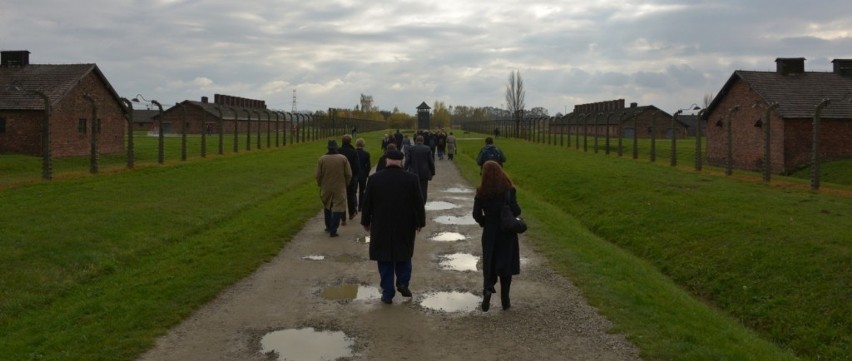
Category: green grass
[839,172]
[94,268]
[691,266]
[773,259]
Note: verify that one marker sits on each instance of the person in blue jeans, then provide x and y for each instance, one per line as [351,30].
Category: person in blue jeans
[393,213]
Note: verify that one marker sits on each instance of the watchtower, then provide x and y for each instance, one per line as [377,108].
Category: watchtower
[424,117]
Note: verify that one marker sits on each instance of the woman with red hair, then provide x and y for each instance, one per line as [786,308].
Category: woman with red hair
[500,254]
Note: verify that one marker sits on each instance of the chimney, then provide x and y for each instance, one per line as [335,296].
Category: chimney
[17,58]
[790,65]
[842,66]
[205,100]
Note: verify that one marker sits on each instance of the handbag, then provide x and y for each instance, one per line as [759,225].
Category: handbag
[508,221]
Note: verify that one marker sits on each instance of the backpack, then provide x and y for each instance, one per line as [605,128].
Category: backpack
[490,153]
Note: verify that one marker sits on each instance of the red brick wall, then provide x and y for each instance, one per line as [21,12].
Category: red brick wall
[24,127]
[791,140]
[23,132]
[658,121]
[834,141]
[67,141]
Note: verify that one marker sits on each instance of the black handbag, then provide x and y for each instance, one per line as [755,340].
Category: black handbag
[508,221]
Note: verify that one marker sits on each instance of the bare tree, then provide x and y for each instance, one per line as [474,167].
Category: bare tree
[515,95]
[708,98]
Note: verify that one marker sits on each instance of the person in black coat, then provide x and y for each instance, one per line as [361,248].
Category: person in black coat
[393,213]
[500,251]
[418,160]
[352,189]
[364,165]
[380,164]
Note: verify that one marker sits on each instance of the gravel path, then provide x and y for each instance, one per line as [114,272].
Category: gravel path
[327,289]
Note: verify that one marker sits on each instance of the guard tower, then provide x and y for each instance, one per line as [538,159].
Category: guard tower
[424,117]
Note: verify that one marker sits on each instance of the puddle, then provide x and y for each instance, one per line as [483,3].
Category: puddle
[461,198]
[458,190]
[364,238]
[351,292]
[462,221]
[451,301]
[307,344]
[439,206]
[448,237]
[458,262]
[313,258]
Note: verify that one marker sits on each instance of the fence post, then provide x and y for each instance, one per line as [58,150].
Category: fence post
[815,150]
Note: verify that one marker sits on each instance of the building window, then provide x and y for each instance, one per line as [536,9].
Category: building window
[2,125]
[81,125]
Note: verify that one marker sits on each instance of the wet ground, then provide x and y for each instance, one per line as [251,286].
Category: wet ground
[319,300]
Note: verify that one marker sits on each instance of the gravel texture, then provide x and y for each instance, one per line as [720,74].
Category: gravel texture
[549,318]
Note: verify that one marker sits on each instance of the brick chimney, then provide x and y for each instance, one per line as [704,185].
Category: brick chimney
[16,58]
[790,65]
[842,66]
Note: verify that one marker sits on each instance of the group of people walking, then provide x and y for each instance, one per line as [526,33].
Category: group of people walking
[392,206]
[441,144]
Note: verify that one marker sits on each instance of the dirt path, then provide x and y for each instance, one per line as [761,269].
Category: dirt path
[549,319]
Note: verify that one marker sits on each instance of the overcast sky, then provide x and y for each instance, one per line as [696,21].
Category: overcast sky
[460,52]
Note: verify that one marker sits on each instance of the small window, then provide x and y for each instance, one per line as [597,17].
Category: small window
[2,125]
[81,125]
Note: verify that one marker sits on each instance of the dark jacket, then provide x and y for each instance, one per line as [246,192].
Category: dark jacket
[393,208]
[500,253]
[490,152]
[352,156]
[364,163]
[419,161]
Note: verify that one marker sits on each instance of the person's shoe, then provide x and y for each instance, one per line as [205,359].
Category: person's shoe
[343,222]
[387,301]
[333,234]
[352,215]
[486,300]
[404,291]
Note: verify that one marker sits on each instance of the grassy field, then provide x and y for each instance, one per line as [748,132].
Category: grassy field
[691,266]
[775,259]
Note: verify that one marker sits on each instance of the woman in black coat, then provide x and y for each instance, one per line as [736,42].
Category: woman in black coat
[500,254]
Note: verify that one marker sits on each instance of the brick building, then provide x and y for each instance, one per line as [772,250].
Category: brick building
[229,111]
[22,110]
[595,118]
[797,93]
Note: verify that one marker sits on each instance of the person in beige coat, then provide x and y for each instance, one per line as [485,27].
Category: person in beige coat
[333,175]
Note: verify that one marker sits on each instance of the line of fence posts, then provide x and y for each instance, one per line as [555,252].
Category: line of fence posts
[306,127]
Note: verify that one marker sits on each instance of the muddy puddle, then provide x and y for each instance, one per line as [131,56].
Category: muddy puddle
[466,220]
[463,262]
[307,344]
[351,292]
[448,237]
[440,206]
[451,301]
[364,238]
[458,190]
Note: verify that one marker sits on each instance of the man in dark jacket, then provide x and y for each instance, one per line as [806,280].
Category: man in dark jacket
[419,161]
[490,152]
[393,213]
[352,189]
